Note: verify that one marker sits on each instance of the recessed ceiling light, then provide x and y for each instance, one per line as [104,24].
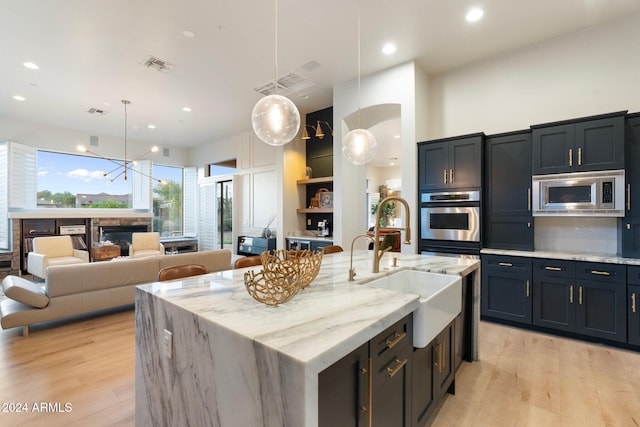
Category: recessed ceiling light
[188,34]
[31,65]
[388,48]
[19,98]
[474,14]
[396,136]
[151,126]
[186,109]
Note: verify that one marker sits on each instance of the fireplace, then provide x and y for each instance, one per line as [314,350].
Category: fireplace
[120,235]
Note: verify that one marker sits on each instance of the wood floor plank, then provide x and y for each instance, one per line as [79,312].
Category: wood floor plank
[526,378]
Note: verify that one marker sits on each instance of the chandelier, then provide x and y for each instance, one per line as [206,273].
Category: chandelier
[124,166]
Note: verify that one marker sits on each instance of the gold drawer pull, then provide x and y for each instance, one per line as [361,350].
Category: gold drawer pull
[399,364]
[601,273]
[396,339]
[571,294]
[505,264]
[633,302]
[445,176]
[553,268]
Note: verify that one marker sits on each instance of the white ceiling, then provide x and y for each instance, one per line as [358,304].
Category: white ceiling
[90,54]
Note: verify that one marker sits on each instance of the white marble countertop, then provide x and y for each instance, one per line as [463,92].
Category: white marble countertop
[323,322]
[575,256]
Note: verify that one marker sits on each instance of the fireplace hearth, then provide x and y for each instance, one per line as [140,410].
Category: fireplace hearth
[120,235]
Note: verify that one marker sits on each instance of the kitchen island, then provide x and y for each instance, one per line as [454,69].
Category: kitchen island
[232,361]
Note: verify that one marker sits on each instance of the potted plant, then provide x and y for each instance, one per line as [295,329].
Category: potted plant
[387,215]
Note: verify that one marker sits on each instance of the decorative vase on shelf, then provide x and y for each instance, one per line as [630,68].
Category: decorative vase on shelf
[309,172]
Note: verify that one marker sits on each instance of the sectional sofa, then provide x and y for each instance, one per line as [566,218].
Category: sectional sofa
[70,290]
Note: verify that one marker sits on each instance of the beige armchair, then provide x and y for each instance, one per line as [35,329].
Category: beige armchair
[145,244]
[53,250]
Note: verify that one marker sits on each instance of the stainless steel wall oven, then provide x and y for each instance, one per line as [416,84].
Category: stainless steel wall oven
[450,222]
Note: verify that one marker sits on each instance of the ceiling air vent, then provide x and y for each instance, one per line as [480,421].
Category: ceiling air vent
[287,83]
[102,112]
[157,64]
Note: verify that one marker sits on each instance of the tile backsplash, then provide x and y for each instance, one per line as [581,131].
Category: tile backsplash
[577,234]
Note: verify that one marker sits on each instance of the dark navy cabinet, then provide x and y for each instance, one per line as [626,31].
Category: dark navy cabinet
[506,288]
[590,144]
[371,386]
[582,297]
[508,223]
[450,163]
[633,305]
[432,376]
[630,233]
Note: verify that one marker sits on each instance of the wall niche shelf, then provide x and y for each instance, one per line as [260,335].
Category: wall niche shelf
[314,210]
[319,180]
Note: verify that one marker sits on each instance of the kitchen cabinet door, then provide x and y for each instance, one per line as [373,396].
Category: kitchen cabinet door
[632,170]
[465,162]
[343,391]
[554,296]
[433,166]
[630,235]
[508,223]
[599,144]
[432,377]
[553,149]
[506,288]
[601,310]
[633,324]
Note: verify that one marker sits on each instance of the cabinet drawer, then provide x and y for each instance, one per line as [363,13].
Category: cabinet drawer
[506,263]
[553,268]
[613,273]
[633,275]
[395,337]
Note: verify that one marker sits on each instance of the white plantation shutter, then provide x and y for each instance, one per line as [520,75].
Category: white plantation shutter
[4,205]
[190,201]
[141,180]
[207,217]
[22,178]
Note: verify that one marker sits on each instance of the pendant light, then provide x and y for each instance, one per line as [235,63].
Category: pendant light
[359,145]
[275,119]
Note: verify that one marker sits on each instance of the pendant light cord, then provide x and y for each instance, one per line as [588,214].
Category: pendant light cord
[125,102]
[359,124]
[275,77]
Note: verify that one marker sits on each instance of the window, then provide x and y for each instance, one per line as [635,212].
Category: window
[75,181]
[167,201]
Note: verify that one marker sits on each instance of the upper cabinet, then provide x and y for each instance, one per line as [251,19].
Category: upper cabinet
[631,222]
[592,144]
[451,163]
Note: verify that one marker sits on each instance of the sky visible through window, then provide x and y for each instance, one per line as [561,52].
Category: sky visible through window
[81,174]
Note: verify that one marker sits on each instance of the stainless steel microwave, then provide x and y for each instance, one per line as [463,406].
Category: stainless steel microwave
[579,194]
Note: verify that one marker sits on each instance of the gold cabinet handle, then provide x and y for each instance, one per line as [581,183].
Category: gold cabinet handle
[529,199]
[528,288]
[505,264]
[628,197]
[570,156]
[443,359]
[553,268]
[396,339]
[628,226]
[633,302]
[445,176]
[600,273]
[571,294]
[580,156]
[391,371]
[451,176]
[439,356]
[580,295]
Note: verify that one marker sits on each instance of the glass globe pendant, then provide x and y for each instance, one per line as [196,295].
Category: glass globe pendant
[275,120]
[359,146]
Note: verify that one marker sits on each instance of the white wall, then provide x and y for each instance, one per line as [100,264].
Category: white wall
[52,138]
[397,85]
[585,73]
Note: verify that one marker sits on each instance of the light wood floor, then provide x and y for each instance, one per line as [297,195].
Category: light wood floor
[531,379]
[523,379]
